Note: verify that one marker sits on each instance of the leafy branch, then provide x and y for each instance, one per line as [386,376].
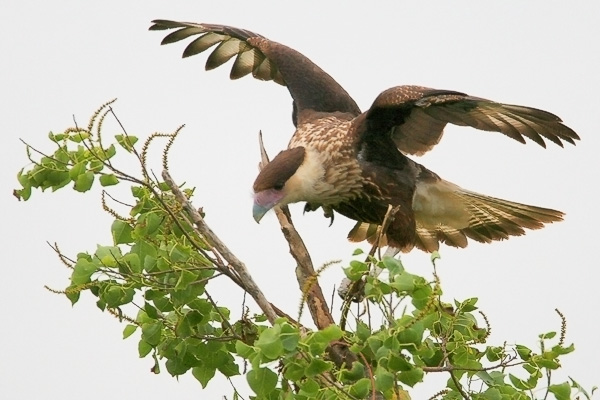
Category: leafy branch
[157,275]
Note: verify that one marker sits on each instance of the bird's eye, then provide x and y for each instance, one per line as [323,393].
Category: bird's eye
[278,186]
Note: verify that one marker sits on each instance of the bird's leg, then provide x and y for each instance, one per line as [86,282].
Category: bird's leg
[310,207]
[327,211]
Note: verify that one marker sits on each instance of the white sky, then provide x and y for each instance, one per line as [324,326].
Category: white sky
[65,58]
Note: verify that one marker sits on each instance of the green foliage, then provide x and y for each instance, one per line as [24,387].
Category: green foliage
[156,273]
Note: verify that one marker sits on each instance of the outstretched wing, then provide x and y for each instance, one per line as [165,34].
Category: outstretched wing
[447,213]
[416,117]
[311,88]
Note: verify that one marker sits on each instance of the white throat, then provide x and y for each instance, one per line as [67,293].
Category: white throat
[307,182]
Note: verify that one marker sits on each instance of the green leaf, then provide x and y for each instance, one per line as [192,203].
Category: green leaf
[146,253]
[411,336]
[467,305]
[393,265]
[58,179]
[532,369]
[121,232]
[542,362]
[229,367]
[319,340]
[129,330]
[78,137]
[361,388]
[519,383]
[486,378]
[82,271]
[150,222]
[144,348]
[188,325]
[96,166]
[23,178]
[243,350]
[421,295]
[317,366]
[117,295]
[150,310]
[384,380]
[412,377]
[126,141]
[403,282]
[492,394]
[331,333]
[524,352]
[560,350]
[294,371]
[548,335]
[494,353]
[356,270]
[84,182]
[309,388]
[185,278]
[357,371]
[289,337]
[262,381]
[131,263]
[580,388]
[56,137]
[179,253]
[357,252]
[109,152]
[374,343]
[362,330]
[101,304]
[24,193]
[214,356]
[73,294]
[108,255]
[397,362]
[180,365]
[77,170]
[151,332]
[561,391]
[203,374]
[108,180]
[269,343]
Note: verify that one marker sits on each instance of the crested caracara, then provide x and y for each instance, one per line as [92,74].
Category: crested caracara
[356,163]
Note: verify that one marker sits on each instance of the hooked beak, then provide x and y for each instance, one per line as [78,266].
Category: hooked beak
[264,201]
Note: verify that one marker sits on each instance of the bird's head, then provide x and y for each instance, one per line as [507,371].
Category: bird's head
[290,177]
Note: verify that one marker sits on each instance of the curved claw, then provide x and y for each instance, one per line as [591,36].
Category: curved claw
[328,213]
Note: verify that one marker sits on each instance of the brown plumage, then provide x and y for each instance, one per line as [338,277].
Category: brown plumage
[355,163]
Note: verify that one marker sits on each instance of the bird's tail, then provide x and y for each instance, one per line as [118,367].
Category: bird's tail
[446,213]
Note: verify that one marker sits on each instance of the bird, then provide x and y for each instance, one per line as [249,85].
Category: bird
[359,164]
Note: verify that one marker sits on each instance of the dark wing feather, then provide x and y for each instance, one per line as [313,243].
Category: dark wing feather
[416,117]
[446,213]
[311,88]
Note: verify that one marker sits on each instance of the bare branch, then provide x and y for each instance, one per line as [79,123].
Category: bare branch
[305,272]
[218,246]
